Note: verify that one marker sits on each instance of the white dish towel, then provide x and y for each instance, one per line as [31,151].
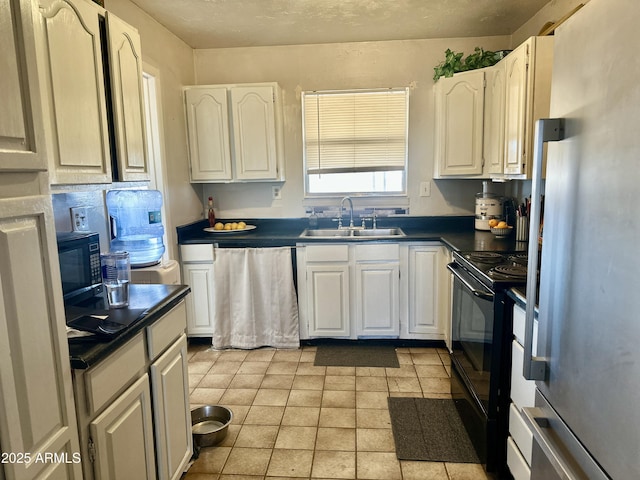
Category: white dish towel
[254,298]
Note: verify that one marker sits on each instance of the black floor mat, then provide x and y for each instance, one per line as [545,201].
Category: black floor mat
[357,356]
[429,429]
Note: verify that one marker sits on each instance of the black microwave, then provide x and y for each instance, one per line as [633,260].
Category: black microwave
[79,255]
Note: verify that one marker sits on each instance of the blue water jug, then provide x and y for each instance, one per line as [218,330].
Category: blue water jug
[136,225]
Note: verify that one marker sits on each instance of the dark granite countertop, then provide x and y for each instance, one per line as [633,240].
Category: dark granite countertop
[456,232]
[153,301]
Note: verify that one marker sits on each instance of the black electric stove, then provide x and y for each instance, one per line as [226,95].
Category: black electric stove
[496,270]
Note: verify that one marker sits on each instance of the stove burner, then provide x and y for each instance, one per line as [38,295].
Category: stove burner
[519,259]
[485,257]
[517,271]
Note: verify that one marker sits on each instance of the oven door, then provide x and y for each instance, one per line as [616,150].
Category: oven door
[472,334]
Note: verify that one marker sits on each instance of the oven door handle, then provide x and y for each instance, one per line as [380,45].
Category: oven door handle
[453,267]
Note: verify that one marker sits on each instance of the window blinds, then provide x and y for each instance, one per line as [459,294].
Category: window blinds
[355,131]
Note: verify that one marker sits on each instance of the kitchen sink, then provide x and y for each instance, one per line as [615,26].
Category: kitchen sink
[353,234]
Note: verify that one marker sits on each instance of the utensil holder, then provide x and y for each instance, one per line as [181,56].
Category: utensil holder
[522,229]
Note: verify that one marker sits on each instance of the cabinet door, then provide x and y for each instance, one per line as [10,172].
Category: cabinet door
[123,436]
[71,75]
[172,415]
[377,299]
[516,92]
[208,130]
[254,132]
[125,63]
[200,313]
[494,120]
[37,413]
[459,124]
[328,300]
[423,290]
[21,131]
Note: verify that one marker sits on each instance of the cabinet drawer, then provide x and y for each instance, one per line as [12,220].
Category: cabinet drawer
[520,433]
[163,332]
[378,252]
[517,464]
[197,253]
[519,327]
[108,378]
[522,391]
[327,253]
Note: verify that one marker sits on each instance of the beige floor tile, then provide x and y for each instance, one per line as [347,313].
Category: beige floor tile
[426,359]
[341,371]
[371,384]
[205,356]
[287,356]
[206,396]
[233,355]
[341,439]
[423,470]
[239,396]
[199,367]
[437,395]
[301,416]
[403,371]
[253,367]
[277,381]
[239,413]
[217,380]
[310,369]
[404,384]
[200,476]
[282,368]
[340,382]
[466,471]
[332,464]
[308,357]
[404,358]
[247,461]
[435,385]
[375,440]
[257,436]
[373,418]
[370,372]
[372,399]
[339,399]
[194,379]
[262,415]
[308,382]
[337,417]
[260,355]
[378,466]
[271,396]
[296,438]
[305,398]
[290,463]
[431,371]
[232,434]
[246,381]
[446,360]
[225,367]
[210,460]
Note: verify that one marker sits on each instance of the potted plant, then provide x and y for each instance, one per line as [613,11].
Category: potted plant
[454,63]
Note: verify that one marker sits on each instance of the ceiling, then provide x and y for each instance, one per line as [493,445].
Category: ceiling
[245,23]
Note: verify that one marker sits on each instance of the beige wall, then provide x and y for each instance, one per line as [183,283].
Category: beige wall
[342,66]
[551,12]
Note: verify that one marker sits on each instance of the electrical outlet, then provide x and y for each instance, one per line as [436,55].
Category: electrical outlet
[425,189]
[80,219]
[276,192]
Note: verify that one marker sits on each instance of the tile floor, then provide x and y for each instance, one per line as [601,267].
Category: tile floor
[293,420]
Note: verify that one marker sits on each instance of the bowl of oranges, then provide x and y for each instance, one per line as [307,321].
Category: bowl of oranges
[500,228]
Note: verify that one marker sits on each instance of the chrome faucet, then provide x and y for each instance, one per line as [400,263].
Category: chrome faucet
[351,212]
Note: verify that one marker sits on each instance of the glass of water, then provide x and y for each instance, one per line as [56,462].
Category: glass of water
[116,274]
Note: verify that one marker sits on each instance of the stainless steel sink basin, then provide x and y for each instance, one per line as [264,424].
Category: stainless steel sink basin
[353,234]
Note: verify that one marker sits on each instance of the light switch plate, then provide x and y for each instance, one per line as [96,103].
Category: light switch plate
[425,189]
[276,192]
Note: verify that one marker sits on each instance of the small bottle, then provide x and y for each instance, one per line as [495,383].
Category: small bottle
[212,215]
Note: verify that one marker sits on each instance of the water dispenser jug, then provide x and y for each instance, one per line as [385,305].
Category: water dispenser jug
[136,225]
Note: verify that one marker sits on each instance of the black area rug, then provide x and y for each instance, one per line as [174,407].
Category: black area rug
[429,429]
[356,356]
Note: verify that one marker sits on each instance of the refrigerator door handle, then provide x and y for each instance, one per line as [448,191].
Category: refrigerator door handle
[547,130]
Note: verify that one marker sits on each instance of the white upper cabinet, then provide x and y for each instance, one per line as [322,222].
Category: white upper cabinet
[459,124]
[125,63]
[72,73]
[235,133]
[527,98]
[21,132]
[493,150]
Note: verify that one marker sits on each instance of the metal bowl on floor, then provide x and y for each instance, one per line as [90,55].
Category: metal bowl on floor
[210,424]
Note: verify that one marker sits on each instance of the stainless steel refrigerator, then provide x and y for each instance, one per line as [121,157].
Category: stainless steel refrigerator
[587,418]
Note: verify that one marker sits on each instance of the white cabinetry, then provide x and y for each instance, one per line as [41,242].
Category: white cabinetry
[493,149]
[133,409]
[425,287]
[459,102]
[527,98]
[72,77]
[235,132]
[197,272]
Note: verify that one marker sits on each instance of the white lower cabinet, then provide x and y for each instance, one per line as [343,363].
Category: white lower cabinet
[383,290]
[132,407]
[197,272]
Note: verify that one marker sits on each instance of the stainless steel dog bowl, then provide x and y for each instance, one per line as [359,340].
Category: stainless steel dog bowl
[209,424]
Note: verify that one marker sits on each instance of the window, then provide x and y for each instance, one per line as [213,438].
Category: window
[355,142]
